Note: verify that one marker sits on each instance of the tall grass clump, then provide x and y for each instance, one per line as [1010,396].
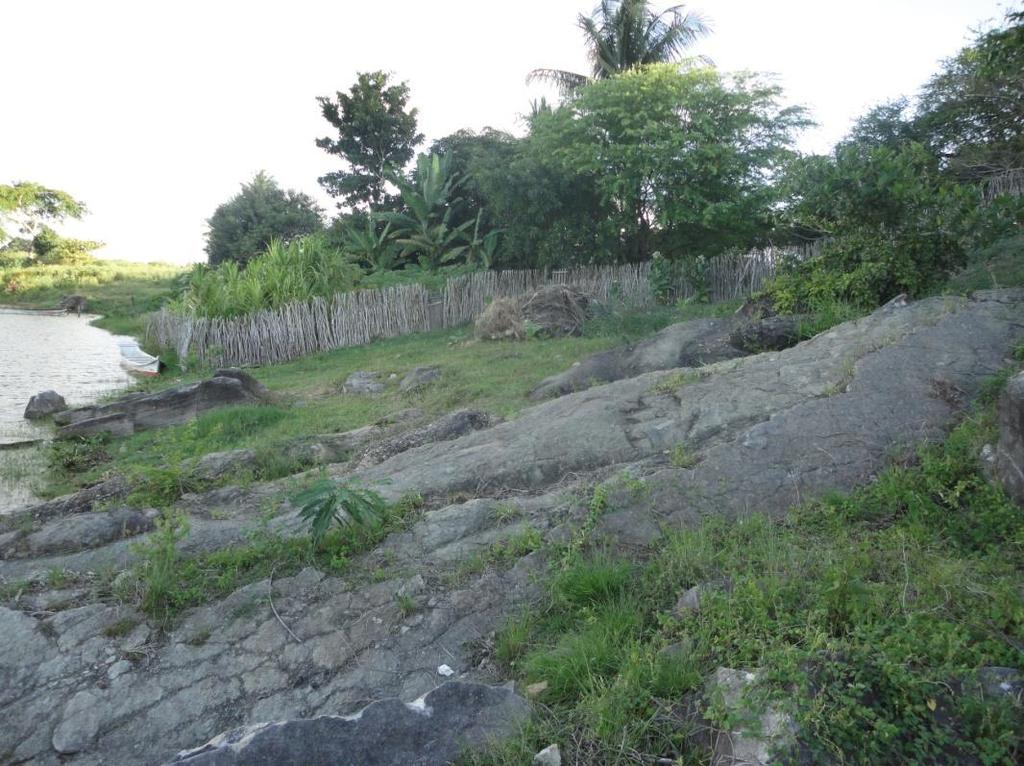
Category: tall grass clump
[287,272]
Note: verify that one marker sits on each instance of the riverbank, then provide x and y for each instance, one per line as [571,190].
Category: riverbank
[120,292]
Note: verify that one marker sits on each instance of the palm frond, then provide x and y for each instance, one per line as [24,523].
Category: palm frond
[567,83]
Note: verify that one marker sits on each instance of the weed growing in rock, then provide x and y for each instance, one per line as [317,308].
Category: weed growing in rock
[681,457]
[328,502]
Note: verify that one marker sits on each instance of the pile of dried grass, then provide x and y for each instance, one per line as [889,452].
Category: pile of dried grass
[552,311]
[501,319]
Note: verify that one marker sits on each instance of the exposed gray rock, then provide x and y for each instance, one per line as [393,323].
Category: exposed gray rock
[138,412]
[418,378]
[770,334]
[761,737]
[445,428]
[689,601]
[1009,453]
[44,404]
[549,756]
[363,382]
[79,724]
[686,344]
[80,531]
[82,501]
[770,430]
[431,731]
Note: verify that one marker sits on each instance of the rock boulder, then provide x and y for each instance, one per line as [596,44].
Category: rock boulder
[1009,456]
[44,404]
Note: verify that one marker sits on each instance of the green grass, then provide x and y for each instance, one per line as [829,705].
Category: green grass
[165,582]
[866,613]
[491,376]
[122,291]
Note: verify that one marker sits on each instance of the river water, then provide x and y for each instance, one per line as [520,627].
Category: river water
[63,353]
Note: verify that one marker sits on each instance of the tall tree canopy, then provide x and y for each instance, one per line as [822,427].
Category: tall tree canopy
[623,34]
[242,227]
[973,111]
[30,206]
[376,138]
[683,160]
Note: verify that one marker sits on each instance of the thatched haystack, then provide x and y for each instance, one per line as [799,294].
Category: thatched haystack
[552,311]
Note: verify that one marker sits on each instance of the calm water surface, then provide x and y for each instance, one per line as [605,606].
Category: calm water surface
[37,353]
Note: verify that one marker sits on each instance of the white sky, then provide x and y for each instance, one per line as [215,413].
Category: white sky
[154,113]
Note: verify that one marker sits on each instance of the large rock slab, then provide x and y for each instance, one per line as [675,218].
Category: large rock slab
[432,731]
[1009,457]
[685,344]
[180,404]
[767,431]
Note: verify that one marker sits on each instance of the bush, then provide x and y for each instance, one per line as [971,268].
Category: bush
[300,270]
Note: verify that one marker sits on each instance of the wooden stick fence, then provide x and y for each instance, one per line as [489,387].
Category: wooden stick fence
[355,318]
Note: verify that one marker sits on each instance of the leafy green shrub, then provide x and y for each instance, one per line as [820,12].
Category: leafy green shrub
[78,454]
[328,502]
[301,270]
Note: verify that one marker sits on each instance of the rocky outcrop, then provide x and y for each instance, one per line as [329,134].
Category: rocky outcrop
[695,343]
[770,334]
[82,501]
[432,731]
[78,532]
[418,378]
[180,404]
[686,344]
[445,428]
[363,382]
[766,431]
[1009,453]
[44,404]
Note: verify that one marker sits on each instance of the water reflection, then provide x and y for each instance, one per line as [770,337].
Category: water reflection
[63,353]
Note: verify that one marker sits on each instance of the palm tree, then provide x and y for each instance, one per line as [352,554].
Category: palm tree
[623,34]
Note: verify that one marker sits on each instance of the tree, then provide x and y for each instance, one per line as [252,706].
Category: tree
[376,137]
[682,159]
[29,206]
[242,227]
[973,111]
[623,34]
[427,231]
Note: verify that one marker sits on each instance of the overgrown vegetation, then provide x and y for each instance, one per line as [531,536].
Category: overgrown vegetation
[167,581]
[869,616]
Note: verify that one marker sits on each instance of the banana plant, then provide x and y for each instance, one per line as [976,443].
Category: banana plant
[425,231]
[374,247]
[483,247]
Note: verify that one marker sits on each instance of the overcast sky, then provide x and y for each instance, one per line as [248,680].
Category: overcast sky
[154,113]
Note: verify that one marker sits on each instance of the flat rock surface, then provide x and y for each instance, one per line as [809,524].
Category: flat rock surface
[766,431]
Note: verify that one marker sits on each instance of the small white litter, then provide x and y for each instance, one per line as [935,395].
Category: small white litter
[445,671]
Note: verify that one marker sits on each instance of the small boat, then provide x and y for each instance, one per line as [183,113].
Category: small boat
[33,312]
[137,361]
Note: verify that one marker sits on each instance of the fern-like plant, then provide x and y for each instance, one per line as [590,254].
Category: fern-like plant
[328,502]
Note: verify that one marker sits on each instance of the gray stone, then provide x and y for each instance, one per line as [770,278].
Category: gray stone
[44,404]
[772,430]
[418,378]
[363,382]
[689,601]
[771,334]
[429,732]
[762,737]
[445,428]
[79,724]
[549,756]
[83,501]
[179,404]
[686,344]
[1009,453]
[81,531]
